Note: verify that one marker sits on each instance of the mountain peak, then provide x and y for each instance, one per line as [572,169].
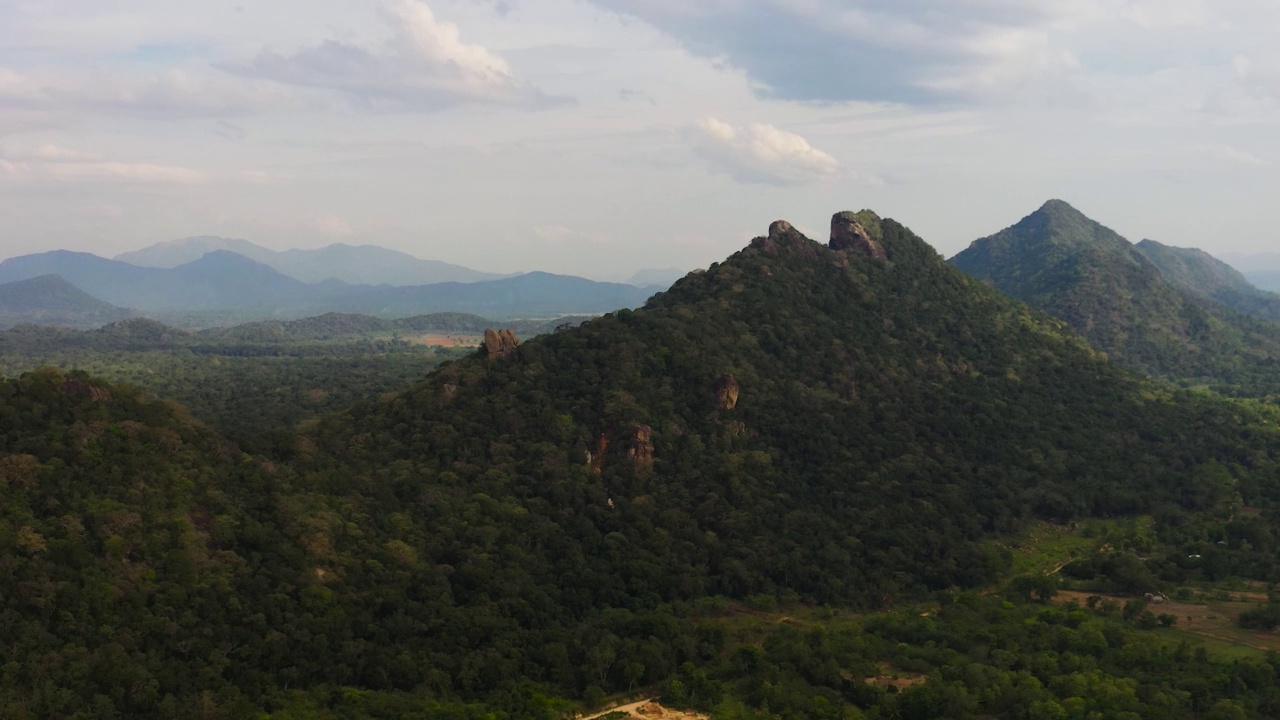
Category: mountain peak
[1054,206]
[859,231]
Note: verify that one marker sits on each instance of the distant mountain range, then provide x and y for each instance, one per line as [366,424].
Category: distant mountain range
[1160,310]
[353,264]
[1261,269]
[226,285]
[51,300]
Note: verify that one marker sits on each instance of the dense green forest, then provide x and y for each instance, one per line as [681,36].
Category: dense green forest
[255,382]
[851,433]
[1174,314]
[1206,276]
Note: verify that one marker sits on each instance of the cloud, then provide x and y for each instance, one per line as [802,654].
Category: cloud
[425,66]
[330,225]
[959,52]
[907,51]
[50,163]
[170,94]
[760,154]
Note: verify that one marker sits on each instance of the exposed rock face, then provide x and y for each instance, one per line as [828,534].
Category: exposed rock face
[640,447]
[447,393]
[72,386]
[499,343]
[726,393]
[849,233]
[783,235]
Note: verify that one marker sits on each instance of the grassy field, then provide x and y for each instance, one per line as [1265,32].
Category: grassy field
[1046,547]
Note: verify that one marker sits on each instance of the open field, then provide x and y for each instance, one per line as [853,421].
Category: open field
[444,339]
[1214,624]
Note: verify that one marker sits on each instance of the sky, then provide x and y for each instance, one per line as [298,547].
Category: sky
[598,137]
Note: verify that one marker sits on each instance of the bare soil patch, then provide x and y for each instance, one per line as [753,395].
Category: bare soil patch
[650,710]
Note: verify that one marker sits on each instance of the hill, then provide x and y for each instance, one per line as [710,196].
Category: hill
[223,285]
[351,264]
[799,420]
[1201,273]
[51,300]
[850,424]
[1265,279]
[1062,262]
[220,279]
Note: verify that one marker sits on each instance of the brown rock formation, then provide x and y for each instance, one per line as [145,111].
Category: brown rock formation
[848,233]
[640,447]
[72,386]
[726,393]
[783,235]
[447,392]
[499,343]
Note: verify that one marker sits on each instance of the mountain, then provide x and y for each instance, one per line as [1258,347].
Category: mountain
[1201,273]
[1265,279]
[352,264]
[535,294]
[225,282]
[1062,262]
[842,423]
[220,279]
[51,300]
[856,423]
[656,277]
[172,253]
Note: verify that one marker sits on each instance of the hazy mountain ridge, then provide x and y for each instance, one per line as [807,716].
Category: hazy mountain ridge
[223,281]
[1062,262]
[351,264]
[51,300]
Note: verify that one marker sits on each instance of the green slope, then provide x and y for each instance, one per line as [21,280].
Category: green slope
[1203,274]
[1060,261]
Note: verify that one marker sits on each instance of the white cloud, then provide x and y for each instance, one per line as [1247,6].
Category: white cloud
[170,94]
[330,225]
[759,153]
[425,65]
[46,163]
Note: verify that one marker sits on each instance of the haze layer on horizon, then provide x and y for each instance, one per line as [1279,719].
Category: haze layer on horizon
[596,137]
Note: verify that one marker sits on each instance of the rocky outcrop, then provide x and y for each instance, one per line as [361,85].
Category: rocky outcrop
[782,235]
[726,393]
[74,387]
[447,392]
[640,447]
[499,343]
[849,231]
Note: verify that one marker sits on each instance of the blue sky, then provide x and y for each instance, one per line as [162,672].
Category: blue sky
[601,136]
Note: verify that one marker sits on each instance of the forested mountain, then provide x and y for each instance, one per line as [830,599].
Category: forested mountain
[848,424]
[1074,268]
[1201,273]
[352,264]
[223,285]
[51,300]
